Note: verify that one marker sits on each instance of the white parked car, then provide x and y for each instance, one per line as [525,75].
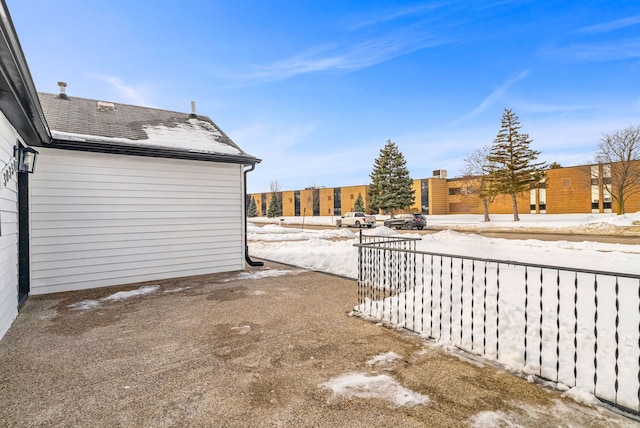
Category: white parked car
[356,219]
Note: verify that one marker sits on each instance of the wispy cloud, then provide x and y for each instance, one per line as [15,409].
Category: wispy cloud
[492,98]
[348,57]
[610,26]
[387,16]
[132,94]
[597,52]
[367,42]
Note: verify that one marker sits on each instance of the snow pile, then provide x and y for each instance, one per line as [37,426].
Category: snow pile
[123,295]
[384,359]
[119,296]
[558,415]
[384,387]
[259,274]
[176,289]
[272,232]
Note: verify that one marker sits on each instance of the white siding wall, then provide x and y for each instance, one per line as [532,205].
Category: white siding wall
[9,232]
[99,220]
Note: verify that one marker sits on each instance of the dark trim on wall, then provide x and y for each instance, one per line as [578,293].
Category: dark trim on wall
[24,263]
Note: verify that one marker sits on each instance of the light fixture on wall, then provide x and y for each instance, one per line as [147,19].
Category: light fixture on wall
[26,157]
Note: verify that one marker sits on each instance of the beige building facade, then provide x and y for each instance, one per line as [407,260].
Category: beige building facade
[570,190]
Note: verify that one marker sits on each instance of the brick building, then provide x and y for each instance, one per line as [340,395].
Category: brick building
[571,190]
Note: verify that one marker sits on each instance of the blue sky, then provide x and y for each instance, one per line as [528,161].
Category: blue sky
[316,88]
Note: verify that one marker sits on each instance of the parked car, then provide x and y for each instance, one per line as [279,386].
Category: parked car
[356,219]
[407,221]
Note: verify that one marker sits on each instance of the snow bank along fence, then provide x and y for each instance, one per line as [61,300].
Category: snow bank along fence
[578,328]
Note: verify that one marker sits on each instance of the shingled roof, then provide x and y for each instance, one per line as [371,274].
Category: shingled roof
[99,126]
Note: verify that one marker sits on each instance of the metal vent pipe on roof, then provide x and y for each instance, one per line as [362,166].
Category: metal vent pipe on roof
[193,109]
[62,95]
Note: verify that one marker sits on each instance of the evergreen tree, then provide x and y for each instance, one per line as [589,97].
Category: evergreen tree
[359,204]
[252,207]
[511,164]
[275,207]
[391,186]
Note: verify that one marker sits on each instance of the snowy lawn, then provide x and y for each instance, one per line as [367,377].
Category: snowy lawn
[332,250]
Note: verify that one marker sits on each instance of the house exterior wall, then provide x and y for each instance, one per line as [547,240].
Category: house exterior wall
[100,220]
[8,229]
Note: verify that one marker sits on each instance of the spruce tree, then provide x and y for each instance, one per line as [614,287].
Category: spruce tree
[275,209]
[252,207]
[391,186]
[512,166]
[358,206]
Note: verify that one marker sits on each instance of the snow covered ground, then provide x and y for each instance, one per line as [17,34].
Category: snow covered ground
[333,251]
[592,224]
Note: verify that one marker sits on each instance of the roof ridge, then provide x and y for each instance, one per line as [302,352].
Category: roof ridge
[124,104]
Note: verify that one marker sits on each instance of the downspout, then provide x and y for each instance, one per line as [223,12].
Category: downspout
[246,244]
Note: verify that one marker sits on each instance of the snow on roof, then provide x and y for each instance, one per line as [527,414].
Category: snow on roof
[195,136]
[83,120]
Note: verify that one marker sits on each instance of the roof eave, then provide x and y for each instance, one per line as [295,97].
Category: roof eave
[134,150]
[16,81]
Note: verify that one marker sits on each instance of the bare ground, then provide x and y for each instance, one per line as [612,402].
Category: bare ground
[224,351]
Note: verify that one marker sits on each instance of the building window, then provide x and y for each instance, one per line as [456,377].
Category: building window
[352,197]
[424,197]
[328,197]
[455,191]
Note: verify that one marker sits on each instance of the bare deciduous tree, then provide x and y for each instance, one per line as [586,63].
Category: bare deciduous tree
[621,152]
[475,166]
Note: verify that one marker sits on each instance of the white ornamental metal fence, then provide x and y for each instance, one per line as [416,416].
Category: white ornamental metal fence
[579,328]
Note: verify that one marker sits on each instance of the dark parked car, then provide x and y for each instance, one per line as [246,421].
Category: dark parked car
[407,221]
